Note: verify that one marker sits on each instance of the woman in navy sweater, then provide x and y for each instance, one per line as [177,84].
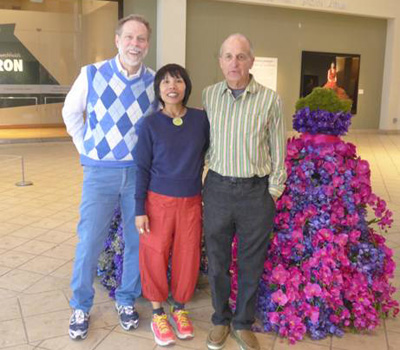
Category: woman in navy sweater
[170,159]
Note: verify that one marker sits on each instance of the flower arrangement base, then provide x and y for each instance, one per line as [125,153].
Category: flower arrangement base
[328,268]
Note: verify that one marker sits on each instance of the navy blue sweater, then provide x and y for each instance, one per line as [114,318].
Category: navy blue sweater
[170,158]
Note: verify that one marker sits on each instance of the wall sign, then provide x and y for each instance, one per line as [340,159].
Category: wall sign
[265,71]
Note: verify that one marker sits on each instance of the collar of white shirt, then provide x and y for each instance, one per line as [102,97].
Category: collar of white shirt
[124,72]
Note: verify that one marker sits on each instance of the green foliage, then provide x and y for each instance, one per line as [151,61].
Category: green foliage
[326,99]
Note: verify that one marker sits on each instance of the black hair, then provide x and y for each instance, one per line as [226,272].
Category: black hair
[176,71]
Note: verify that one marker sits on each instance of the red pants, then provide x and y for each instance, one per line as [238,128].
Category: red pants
[175,225]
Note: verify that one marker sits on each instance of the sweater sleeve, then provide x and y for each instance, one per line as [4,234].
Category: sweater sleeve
[144,156]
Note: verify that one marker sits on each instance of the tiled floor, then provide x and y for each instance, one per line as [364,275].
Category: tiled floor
[37,239]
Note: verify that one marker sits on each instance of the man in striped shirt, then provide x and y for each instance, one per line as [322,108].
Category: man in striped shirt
[246,176]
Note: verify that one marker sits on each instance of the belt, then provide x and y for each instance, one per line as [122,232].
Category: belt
[238,180]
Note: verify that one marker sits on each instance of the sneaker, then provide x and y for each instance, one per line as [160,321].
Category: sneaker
[246,339]
[181,322]
[163,334]
[78,324]
[217,337]
[128,316]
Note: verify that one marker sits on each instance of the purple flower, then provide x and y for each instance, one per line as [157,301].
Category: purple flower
[321,122]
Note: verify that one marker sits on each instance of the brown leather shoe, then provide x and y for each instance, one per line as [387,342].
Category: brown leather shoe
[246,339]
[217,337]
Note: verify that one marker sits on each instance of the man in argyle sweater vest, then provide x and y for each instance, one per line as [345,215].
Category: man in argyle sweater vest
[114,95]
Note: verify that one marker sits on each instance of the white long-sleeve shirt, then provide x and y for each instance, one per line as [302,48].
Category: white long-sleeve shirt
[75,104]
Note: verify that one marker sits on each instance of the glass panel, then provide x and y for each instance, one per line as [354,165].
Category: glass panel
[43,45]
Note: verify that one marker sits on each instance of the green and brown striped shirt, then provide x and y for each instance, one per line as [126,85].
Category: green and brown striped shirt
[247,136]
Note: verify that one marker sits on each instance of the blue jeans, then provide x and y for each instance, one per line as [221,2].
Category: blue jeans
[103,189]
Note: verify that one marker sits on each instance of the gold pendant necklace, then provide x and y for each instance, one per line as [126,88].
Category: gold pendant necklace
[177,121]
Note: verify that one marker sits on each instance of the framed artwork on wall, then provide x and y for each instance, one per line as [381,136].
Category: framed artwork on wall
[337,71]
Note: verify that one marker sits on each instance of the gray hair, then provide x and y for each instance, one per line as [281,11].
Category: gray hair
[239,35]
[136,18]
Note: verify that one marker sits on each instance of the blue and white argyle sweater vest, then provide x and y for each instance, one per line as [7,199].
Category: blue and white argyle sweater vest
[114,105]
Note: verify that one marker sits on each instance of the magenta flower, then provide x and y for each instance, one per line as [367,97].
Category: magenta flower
[341,239]
[327,267]
[279,297]
[312,290]
[314,314]
[337,181]
[274,317]
[362,167]
[279,274]
[325,234]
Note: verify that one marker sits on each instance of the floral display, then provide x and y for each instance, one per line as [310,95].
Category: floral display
[328,268]
[110,264]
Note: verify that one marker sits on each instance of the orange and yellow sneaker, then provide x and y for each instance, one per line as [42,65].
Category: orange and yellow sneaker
[163,333]
[182,325]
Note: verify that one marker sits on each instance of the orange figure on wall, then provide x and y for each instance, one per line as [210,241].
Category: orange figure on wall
[332,83]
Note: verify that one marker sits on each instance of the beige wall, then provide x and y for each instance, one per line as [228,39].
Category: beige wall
[99,21]
[284,33]
[389,112]
[148,9]
[373,8]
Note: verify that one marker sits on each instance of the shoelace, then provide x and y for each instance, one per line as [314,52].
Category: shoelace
[183,318]
[79,316]
[162,323]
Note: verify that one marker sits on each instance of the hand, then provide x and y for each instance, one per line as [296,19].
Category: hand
[142,224]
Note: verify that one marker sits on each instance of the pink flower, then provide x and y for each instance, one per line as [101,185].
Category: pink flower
[345,149]
[312,290]
[310,211]
[325,234]
[337,181]
[297,235]
[314,314]
[273,317]
[284,202]
[279,274]
[354,235]
[279,297]
[351,220]
[362,167]
[334,319]
[328,190]
[326,150]
[299,219]
[329,167]
[286,251]
[341,239]
[295,277]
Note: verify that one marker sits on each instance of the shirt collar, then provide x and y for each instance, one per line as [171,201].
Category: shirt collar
[252,86]
[124,72]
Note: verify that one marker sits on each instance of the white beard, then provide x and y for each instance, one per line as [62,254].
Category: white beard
[129,61]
